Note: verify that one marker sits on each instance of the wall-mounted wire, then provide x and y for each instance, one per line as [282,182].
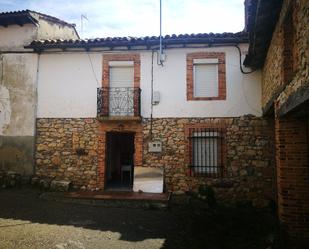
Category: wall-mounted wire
[240,66]
[93,71]
[1,75]
[151,110]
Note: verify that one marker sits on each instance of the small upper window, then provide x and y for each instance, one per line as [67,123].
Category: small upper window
[205,78]
[121,74]
[121,90]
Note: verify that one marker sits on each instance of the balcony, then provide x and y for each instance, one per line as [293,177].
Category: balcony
[119,103]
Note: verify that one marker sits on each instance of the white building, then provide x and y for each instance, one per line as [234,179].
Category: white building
[111,115]
[18,83]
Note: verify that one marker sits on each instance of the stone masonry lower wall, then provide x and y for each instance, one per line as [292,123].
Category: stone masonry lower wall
[66,149]
[250,158]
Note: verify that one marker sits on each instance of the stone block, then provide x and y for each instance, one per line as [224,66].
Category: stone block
[45,183]
[61,186]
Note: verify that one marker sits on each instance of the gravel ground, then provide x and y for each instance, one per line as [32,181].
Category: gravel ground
[29,222]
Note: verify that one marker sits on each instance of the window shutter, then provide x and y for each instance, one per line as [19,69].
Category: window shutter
[206,80]
[121,76]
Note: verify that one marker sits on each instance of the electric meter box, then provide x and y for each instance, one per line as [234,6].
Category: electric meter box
[156,98]
[155,146]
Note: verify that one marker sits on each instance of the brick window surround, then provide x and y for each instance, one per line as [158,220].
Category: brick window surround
[105,77]
[121,57]
[222,153]
[221,74]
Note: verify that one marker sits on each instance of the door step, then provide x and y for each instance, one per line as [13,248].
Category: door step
[111,198]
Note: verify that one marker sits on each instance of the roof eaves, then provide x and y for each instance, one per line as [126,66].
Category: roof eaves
[263,15]
[29,16]
[17,17]
[223,38]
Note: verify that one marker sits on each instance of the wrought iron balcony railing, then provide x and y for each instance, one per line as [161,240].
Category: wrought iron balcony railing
[118,101]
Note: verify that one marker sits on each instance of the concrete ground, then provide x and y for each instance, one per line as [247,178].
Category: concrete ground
[26,221]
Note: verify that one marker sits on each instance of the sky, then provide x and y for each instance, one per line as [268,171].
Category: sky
[118,18]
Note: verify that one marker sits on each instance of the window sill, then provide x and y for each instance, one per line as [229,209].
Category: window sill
[206,98]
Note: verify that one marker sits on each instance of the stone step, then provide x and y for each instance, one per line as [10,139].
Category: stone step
[111,199]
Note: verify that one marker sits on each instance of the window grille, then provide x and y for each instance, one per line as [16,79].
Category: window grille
[207,151]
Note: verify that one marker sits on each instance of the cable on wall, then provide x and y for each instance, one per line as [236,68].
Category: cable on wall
[93,71]
[2,61]
[240,66]
[246,98]
[151,110]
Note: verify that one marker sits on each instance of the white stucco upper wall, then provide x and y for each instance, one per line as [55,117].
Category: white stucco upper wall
[243,93]
[15,37]
[67,86]
[51,30]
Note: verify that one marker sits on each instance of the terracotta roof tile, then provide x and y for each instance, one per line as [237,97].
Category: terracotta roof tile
[20,17]
[240,37]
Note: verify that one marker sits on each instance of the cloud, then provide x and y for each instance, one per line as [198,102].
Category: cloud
[141,17]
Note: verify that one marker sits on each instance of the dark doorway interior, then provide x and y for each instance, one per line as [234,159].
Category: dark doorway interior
[119,161]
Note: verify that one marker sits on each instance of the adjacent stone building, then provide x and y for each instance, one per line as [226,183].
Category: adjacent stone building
[279,46]
[18,83]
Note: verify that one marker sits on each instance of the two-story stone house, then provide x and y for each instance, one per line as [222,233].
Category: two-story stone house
[110,114]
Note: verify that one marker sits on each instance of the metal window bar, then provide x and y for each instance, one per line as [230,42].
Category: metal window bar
[118,101]
[206,151]
[100,111]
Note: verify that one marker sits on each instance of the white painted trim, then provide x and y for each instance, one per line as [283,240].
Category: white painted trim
[206,61]
[120,63]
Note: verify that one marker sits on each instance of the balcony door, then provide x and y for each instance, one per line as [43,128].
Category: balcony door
[121,91]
